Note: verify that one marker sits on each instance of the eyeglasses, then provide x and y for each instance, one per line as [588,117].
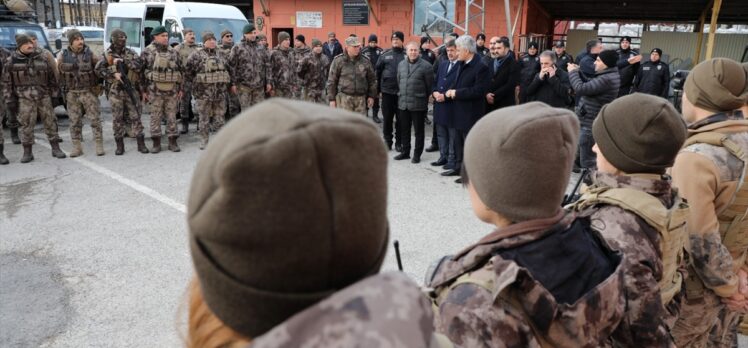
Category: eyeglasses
[229,35]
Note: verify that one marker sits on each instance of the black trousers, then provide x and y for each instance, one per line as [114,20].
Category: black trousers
[458,138]
[418,120]
[389,110]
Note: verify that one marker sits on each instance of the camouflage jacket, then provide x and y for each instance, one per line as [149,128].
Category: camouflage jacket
[175,68]
[198,65]
[185,50]
[225,51]
[301,52]
[4,54]
[29,77]
[385,310]
[312,71]
[708,177]
[283,66]
[518,311]
[646,320]
[352,76]
[77,69]
[133,68]
[249,66]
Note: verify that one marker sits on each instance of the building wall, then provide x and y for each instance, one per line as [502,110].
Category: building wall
[681,47]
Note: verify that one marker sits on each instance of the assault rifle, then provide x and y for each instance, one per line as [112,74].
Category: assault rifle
[127,86]
[573,196]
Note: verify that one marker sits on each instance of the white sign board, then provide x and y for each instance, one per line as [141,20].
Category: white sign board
[308,19]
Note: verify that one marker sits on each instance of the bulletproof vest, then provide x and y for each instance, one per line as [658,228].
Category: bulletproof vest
[164,72]
[32,72]
[669,223]
[213,71]
[185,51]
[78,71]
[126,55]
[733,220]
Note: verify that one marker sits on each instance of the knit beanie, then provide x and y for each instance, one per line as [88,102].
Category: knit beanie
[208,35]
[424,40]
[301,38]
[73,34]
[248,28]
[373,38]
[717,84]
[187,30]
[117,33]
[277,222]
[609,57]
[398,35]
[316,42]
[283,36]
[625,38]
[659,51]
[480,36]
[639,133]
[516,172]
[22,39]
[226,32]
[534,45]
[158,30]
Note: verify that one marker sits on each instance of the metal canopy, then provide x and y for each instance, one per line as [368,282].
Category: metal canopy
[732,11]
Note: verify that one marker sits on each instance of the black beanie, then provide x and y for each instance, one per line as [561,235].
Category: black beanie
[424,40]
[399,35]
[659,51]
[625,38]
[373,38]
[301,38]
[609,57]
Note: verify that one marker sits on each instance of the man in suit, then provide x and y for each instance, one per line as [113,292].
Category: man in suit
[446,75]
[332,47]
[468,93]
[505,75]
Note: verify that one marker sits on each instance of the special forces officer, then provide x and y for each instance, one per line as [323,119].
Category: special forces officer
[29,84]
[123,64]
[4,54]
[312,71]
[283,67]
[79,81]
[233,107]
[352,83]
[163,84]
[251,77]
[185,104]
[208,71]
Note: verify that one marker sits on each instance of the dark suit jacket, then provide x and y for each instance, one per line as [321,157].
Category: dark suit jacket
[332,51]
[503,82]
[443,111]
[471,86]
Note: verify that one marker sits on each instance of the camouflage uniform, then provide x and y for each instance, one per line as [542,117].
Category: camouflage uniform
[250,72]
[350,82]
[232,100]
[4,54]
[385,310]
[648,320]
[312,71]
[709,176]
[299,54]
[82,89]
[485,300]
[185,106]
[208,71]
[163,83]
[118,98]
[283,69]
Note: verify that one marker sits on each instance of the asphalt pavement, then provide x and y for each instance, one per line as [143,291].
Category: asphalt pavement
[94,253]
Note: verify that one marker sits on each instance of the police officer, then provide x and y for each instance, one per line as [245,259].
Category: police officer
[425,51]
[208,71]
[163,87]
[312,71]
[529,67]
[372,52]
[563,58]
[386,69]
[29,83]
[352,84]
[185,104]
[653,76]
[628,64]
[251,77]
[118,58]
[480,42]
[283,67]
[79,81]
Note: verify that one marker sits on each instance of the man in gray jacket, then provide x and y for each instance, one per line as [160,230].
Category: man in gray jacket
[415,79]
[595,93]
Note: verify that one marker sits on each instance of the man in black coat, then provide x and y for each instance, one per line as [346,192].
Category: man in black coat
[372,52]
[563,58]
[530,67]
[446,75]
[505,75]
[628,64]
[386,70]
[332,47]
[468,93]
[551,85]
[415,79]
[653,76]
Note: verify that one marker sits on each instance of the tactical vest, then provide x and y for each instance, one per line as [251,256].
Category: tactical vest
[669,223]
[78,71]
[733,220]
[29,72]
[213,71]
[126,55]
[185,51]
[164,73]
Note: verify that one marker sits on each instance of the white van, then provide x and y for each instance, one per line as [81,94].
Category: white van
[137,19]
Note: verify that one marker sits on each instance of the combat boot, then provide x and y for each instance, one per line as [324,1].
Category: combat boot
[203,142]
[99,139]
[3,159]
[141,144]
[120,146]
[14,136]
[156,145]
[28,156]
[77,149]
[56,152]
[173,147]
[185,125]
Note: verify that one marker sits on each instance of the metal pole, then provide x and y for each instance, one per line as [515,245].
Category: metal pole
[712,29]
[699,37]
[509,29]
[467,16]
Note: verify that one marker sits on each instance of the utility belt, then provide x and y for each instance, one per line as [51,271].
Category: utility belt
[351,95]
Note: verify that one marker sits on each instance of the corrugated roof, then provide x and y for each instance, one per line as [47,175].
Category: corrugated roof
[732,11]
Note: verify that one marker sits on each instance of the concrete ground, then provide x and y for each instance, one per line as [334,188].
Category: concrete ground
[93,250]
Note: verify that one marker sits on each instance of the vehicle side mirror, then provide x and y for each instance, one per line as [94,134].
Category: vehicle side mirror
[58,44]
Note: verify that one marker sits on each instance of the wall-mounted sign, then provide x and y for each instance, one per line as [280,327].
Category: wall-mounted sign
[308,19]
[355,12]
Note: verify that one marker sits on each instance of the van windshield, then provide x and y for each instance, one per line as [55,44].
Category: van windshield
[131,27]
[215,25]
[8,36]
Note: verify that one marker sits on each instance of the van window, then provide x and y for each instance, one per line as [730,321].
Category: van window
[131,27]
[215,25]
[172,27]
